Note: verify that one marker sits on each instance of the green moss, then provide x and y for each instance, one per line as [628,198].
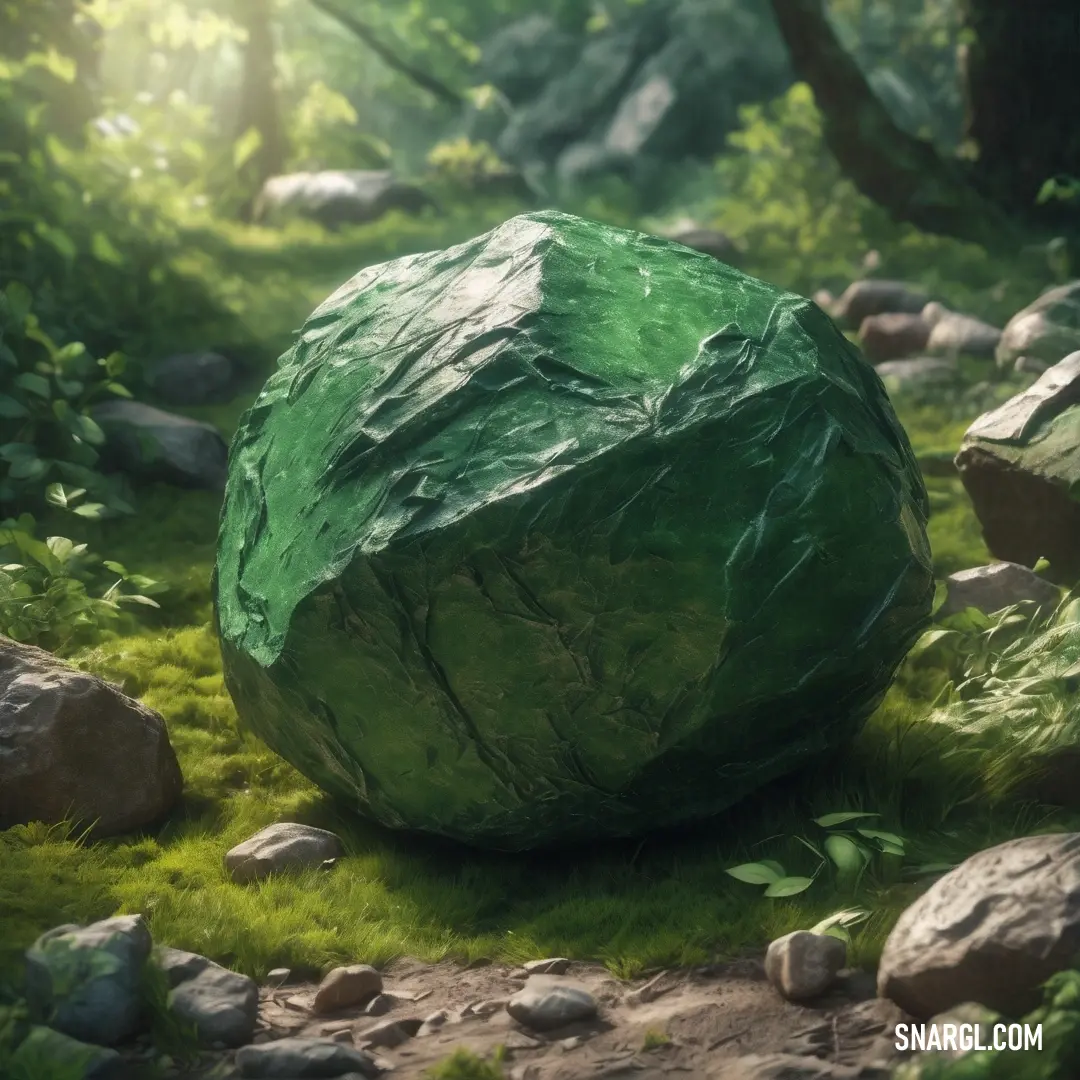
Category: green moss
[662,901]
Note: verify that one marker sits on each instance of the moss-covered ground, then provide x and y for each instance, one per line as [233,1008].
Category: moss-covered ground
[660,901]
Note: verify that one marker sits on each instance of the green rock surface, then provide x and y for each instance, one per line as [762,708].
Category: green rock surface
[565,532]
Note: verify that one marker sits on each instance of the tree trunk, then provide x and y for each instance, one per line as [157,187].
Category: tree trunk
[1022,89]
[259,107]
[1021,120]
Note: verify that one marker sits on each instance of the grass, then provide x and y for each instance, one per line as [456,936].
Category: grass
[635,906]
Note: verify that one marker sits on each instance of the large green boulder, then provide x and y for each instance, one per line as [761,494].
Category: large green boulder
[566,532]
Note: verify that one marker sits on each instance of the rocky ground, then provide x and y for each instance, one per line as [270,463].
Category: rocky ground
[699,1022]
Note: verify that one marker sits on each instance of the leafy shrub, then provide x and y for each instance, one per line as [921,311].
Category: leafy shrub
[465,1065]
[44,588]
[45,416]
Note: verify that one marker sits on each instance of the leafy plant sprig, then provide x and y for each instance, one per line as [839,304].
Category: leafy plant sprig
[45,417]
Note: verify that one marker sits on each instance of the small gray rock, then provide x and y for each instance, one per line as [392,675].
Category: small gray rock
[1000,585]
[86,981]
[345,986]
[389,1034]
[544,1004]
[916,370]
[277,848]
[953,334]
[222,1005]
[432,1023]
[277,977]
[302,1058]
[159,445]
[877,296]
[379,1005]
[553,965]
[802,965]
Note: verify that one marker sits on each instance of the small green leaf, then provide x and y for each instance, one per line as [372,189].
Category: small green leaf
[34,384]
[114,364]
[102,249]
[89,431]
[60,546]
[115,567]
[829,820]
[28,469]
[846,855]
[14,451]
[119,389]
[145,601]
[246,147]
[90,510]
[884,837]
[71,388]
[10,409]
[19,301]
[789,886]
[755,873]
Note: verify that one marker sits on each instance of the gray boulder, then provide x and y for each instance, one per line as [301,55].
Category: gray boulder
[630,101]
[1020,464]
[355,984]
[297,1058]
[1044,331]
[1000,585]
[991,931]
[156,445]
[873,296]
[712,242]
[953,334]
[222,1005]
[545,1003]
[86,981]
[191,378]
[803,965]
[892,336]
[337,197]
[283,846]
[73,747]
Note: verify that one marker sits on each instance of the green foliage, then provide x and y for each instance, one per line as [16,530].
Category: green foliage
[465,1065]
[655,1040]
[325,133]
[14,1025]
[849,851]
[464,162]
[48,429]
[44,588]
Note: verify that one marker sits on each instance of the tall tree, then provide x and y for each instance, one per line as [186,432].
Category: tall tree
[259,107]
[1021,83]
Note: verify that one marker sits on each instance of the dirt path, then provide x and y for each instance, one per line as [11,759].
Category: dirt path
[709,1016]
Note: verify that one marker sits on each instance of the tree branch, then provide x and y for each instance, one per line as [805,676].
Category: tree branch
[903,174]
[365,33]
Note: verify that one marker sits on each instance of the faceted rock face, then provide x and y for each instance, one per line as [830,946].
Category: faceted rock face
[294,1058]
[992,588]
[75,747]
[286,845]
[540,538]
[1045,330]
[991,931]
[85,981]
[1020,464]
